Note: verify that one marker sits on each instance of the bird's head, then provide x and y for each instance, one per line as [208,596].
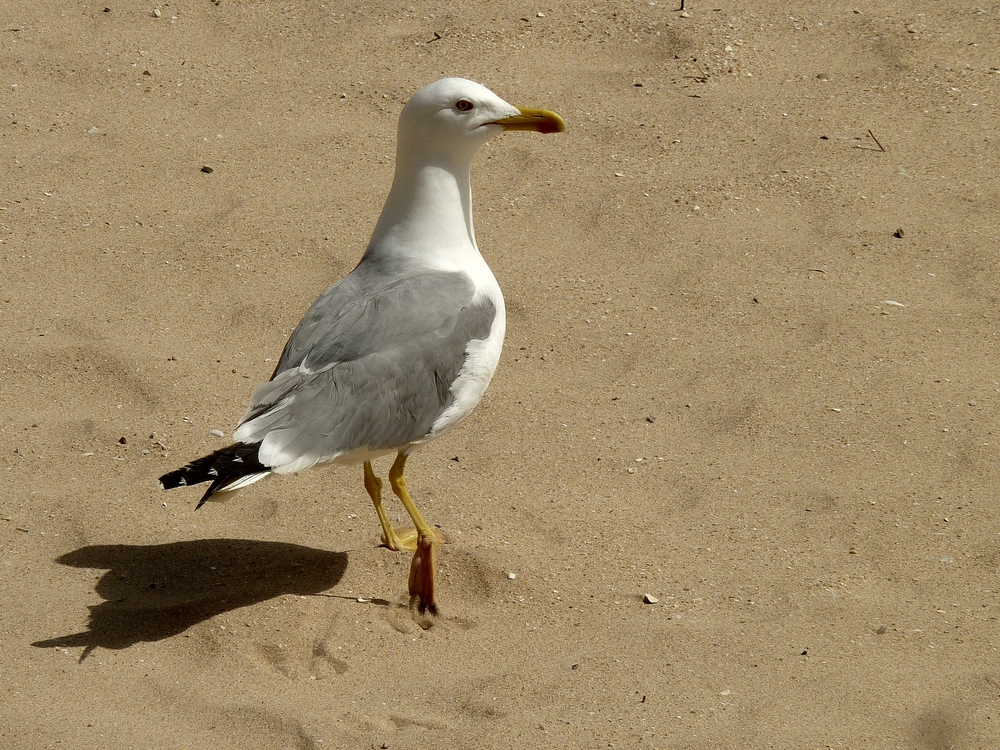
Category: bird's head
[455,116]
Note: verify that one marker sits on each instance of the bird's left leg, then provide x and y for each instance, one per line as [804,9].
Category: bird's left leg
[390,538]
[423,569]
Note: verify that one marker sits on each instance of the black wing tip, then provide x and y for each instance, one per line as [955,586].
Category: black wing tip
[220,468]
[204,498]
[175,478]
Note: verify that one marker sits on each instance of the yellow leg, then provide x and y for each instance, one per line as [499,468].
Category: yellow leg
[390,538]
[423,569]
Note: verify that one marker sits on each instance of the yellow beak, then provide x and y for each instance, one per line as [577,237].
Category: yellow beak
[539,120]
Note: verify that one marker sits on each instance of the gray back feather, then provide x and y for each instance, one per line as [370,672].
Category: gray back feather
[369,366]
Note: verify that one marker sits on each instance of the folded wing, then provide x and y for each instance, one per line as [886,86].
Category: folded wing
[369,367]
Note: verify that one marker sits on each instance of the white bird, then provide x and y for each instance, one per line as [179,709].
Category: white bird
[400,350]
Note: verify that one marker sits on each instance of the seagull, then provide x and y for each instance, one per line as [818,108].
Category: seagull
[400,350]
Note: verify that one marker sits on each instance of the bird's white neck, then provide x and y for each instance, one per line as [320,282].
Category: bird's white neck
[428,214]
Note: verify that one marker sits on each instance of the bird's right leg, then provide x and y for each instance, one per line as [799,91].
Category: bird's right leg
[392,540]
[423,568]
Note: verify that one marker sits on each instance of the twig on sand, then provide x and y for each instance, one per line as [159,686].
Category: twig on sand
[880,146]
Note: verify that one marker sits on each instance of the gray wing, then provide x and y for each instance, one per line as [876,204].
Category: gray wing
[370,366]
[367,312]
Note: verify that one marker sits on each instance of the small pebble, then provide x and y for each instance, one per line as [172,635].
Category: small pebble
[512,576]
[155,13]
[649,599]
[207,169]
[93,131]
[216,433]
[881,630]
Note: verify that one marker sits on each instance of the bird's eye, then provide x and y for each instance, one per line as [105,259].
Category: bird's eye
[464,105]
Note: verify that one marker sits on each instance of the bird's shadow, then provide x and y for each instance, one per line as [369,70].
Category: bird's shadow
[154,592]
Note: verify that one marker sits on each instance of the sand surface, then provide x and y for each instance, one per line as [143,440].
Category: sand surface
[751,370]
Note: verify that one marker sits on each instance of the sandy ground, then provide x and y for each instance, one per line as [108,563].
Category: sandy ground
[729,381]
